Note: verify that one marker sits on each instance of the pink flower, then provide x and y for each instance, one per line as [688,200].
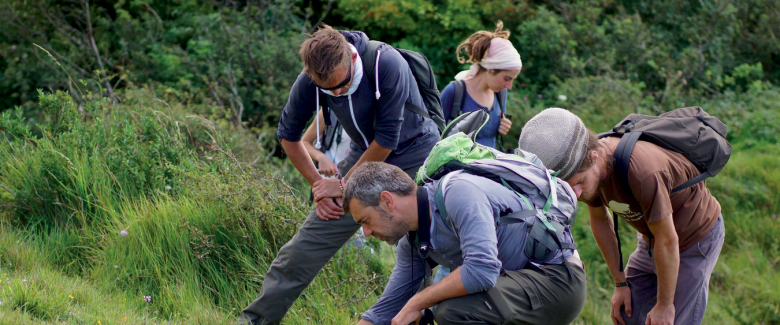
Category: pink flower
[148,298]
[539,95]
[123,233]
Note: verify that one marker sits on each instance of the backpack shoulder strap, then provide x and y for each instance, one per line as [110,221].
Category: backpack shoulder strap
[502,100]
[457,100]
[623,156]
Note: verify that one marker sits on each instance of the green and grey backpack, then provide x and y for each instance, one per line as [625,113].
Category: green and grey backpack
[554,203]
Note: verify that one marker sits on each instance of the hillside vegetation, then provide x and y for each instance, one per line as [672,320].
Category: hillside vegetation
[141,183]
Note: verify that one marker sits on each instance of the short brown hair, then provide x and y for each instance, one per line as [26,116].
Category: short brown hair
[477,45]
[323,52]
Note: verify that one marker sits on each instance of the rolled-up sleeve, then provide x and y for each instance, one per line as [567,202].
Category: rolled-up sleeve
[475,223]
[395,80]
[300,107]
[407,275]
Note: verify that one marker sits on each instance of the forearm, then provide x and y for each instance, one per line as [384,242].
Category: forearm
[301,160]
[667,261]
[375,152]
[601,226]
[314,153]
[449,287]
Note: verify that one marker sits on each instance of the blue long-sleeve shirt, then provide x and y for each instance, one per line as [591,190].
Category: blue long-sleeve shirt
[482,251]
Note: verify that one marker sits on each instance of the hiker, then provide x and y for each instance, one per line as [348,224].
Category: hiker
[495,64]
[326,144]
[378,100]
[493,281]
[680,233]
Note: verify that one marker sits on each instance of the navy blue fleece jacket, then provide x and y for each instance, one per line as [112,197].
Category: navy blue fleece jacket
[366,119]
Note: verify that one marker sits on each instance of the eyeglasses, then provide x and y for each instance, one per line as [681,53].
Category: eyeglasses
[343,83]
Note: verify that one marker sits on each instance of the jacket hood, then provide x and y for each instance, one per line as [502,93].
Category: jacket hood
[356,38]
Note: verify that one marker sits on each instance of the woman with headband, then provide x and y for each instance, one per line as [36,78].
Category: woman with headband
[495,64]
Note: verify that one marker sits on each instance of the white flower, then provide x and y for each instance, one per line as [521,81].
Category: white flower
[562,98]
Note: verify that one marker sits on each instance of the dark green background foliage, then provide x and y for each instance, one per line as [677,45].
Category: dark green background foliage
[158,118]
[241,55]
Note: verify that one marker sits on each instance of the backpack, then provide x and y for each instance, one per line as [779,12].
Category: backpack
[330,136]
[555,202]
[459,98]
[423,75]
[690,131]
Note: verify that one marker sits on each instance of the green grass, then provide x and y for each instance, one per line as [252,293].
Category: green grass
[203,226]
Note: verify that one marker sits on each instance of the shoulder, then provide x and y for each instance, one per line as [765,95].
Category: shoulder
[448,90]
[463,185]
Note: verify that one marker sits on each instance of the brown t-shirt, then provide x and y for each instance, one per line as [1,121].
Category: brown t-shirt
[652,174]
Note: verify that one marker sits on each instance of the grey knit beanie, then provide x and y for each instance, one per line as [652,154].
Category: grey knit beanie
[558,138]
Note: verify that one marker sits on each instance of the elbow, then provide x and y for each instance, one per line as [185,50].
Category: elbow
[667,243]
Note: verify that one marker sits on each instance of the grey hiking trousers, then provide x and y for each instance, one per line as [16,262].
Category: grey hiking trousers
[548,295]
[299,261]
[693,279]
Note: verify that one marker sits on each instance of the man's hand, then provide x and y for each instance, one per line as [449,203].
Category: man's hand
[364,322]
[504,125]
[661,315]
[408,315]
[326,167]
[329,209]
[326,188]
[621,297]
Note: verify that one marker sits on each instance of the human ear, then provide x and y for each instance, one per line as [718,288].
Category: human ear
[386,199]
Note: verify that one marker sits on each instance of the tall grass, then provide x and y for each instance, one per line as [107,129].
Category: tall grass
[202,225]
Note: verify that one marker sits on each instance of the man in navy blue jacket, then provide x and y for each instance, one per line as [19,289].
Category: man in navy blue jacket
[371,108]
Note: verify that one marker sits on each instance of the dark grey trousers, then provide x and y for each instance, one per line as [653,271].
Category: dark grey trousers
[299,261]
[547,295]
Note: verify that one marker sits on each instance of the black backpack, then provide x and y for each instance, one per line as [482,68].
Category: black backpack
[689,131]
[423,74]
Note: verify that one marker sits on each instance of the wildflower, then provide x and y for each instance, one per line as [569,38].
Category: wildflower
[117,278]
[525,98]
[124,319]
[99,323]
[148,298]
[71,296]
[538,95]
[123,233]
[562,98]
[168,187]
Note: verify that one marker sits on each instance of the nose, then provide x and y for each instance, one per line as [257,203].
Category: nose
[577,190]
[337,92]
[367,232]
[509,86]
